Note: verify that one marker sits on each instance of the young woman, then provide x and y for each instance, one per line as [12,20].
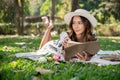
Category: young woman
[81,23]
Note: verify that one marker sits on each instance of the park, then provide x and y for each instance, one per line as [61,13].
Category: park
[22,29]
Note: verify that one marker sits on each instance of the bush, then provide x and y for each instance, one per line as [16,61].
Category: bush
[108,29]
[7,29]
[38,28]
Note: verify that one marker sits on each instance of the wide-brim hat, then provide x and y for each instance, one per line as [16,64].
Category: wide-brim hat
[80,12]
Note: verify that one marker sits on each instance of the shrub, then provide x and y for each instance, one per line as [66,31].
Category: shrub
[108,29]
[38,28]
[7,28]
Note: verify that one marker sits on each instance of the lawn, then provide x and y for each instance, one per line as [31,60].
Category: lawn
[12,68]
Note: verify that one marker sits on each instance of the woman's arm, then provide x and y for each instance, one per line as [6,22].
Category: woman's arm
[46,38]
[47,34]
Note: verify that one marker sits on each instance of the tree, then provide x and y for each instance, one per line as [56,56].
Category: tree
[18,16]
[53,10]
[6,11]
[117,9]
[74,5]
[61,8]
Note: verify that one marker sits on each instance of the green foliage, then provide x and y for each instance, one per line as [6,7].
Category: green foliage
[7,29]
[116,9]
[62,7]
[108,29]
[26,7]
[105,11]
[88,4]
[6,11]
[112,29]
[46,8]
[34,7]
[12,68]
[101,9]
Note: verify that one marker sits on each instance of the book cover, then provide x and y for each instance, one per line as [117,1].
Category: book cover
[91,47]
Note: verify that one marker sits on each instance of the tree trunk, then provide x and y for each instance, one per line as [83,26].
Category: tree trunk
[22,17]
[117,8]
[74,5]
[18,16]
[53,10]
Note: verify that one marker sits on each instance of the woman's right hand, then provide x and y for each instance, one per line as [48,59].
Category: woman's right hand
[84,57]
[48,23]
[50,26]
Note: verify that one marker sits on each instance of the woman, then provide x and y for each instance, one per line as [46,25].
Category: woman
[81,23]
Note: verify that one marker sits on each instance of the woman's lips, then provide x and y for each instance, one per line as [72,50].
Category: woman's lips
[76,30]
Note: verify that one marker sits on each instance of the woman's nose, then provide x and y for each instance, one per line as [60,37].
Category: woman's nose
[76,25]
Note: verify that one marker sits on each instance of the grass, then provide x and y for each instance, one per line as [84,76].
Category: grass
[12,68]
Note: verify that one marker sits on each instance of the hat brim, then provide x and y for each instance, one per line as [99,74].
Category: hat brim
[90,17]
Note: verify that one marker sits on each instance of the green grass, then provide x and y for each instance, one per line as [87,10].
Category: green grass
[9,65]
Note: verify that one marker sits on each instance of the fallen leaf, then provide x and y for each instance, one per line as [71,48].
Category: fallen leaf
[43,71]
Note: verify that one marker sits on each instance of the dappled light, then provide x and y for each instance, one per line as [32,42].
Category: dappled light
[23,28]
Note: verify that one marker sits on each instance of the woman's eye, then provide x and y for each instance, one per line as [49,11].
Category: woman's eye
[80,23]
[73,23]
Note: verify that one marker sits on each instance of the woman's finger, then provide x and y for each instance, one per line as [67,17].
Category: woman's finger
[86,55]
[65,42]
[50,26]
[79,56]
[45,19]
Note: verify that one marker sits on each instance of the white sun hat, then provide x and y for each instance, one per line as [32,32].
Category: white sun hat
[80,12]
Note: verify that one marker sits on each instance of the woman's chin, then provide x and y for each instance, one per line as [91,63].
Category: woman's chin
[78,33]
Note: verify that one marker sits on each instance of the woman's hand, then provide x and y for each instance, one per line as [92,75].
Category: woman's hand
[84,57]
[48,23]
[45,21]
[65,42]
[50,26]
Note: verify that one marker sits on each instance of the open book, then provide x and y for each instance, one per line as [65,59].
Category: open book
[91,47]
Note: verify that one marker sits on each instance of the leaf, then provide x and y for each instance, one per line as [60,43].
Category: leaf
[43,71]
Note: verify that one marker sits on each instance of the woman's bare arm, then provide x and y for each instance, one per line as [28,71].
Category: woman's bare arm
[46,38]
[47,34]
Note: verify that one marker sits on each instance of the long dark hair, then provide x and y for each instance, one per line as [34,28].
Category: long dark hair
[87,35]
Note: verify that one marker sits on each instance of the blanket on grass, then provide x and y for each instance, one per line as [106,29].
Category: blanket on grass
[38,55]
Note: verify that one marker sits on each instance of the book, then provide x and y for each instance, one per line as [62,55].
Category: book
[91,47]
[113,56]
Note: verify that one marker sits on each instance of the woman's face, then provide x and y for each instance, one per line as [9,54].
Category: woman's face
[78,25]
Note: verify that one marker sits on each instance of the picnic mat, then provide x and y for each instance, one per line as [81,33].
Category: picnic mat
[106,57]
[98,58]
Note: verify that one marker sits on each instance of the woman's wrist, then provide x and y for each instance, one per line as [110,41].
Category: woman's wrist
[48,29]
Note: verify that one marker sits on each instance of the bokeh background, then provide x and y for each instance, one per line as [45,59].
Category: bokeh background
[23,17]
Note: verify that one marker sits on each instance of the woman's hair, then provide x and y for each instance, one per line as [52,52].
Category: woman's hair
[87,34]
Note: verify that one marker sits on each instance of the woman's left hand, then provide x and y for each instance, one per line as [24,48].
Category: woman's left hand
[65,42]
[84,57]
